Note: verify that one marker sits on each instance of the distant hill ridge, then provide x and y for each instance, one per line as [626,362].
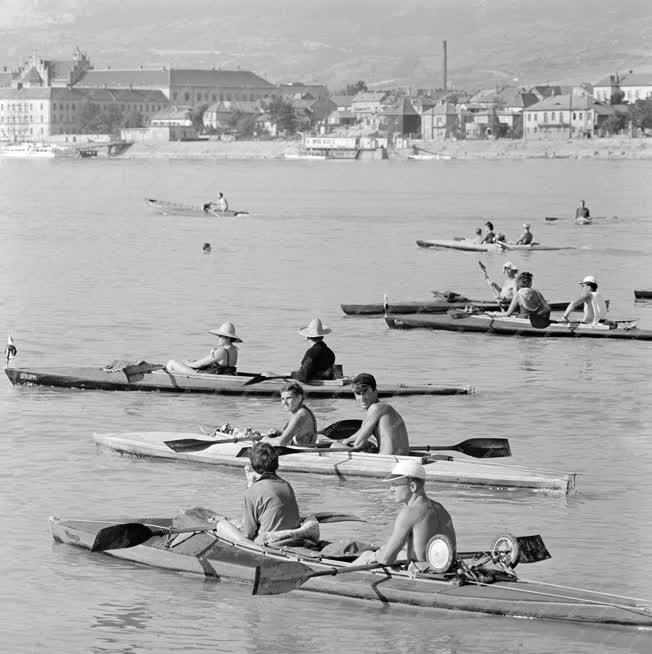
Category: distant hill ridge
[399,44]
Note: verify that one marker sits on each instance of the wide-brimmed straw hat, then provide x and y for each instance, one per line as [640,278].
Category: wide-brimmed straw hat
[226,329]
[315,328]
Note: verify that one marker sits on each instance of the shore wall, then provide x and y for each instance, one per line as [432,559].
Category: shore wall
[596,148]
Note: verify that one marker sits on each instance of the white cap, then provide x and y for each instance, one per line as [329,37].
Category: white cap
[510,265]
[526,225]
[407,469]
[589,279]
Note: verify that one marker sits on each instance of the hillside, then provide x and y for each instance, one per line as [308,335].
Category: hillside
[490,41]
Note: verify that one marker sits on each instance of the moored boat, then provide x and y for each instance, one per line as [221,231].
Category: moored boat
[158,379]
[355,464]
[164,207]
[484,582]
[643,295]
[467,245]
[508,326]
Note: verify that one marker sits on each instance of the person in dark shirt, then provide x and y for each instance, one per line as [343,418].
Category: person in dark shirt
[582,211]
[490,236]
[318,361]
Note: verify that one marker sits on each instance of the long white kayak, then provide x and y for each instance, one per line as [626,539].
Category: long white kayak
[469,245]
[355,464]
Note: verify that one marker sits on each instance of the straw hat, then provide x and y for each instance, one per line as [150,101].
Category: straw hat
[226,329]
[315,328]
[407,469]
[589,279]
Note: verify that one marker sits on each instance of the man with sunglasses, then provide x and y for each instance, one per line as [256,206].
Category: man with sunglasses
[419,519]
[381,420]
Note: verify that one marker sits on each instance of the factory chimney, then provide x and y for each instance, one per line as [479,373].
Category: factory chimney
[445,66]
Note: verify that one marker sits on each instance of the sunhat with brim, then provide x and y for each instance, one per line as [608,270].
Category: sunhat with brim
[589,279]
[509,265]
[315,328]
[407,469]
[227,329]
[526,225]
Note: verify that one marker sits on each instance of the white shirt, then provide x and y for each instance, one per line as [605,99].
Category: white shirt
[596,309]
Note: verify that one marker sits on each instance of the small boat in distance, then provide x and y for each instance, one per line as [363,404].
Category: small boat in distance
[642,295]
[178,209]
[468,245]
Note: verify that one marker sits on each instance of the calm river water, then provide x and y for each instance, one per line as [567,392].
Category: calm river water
[88,274]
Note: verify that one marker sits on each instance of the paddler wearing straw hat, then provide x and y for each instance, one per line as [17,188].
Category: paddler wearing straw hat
[505,293]
[595,306]
[222,360]
[419,519]
[319,359]
[526,236]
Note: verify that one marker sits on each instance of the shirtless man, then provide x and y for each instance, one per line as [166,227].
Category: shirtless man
[381,421]
[416,523]
[301,428]
[505,293]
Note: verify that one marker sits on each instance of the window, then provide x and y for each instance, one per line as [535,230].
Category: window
[574,115]
[552,116]
[214,97]
[174,95]
[187,97]
[545,116]
[580,115]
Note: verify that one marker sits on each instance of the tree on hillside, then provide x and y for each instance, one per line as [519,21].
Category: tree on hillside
[641,113]
[352,89]
[197,115]
[617,97]
[283,114]
[132,120]
[615,123]
[93,120]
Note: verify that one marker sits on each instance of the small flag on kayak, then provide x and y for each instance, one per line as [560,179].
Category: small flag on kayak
[10,350]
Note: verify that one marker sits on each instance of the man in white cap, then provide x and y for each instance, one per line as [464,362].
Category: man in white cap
[418,520]
[595,307]
[526,236]
[319,360]
[382,421]
[505,293]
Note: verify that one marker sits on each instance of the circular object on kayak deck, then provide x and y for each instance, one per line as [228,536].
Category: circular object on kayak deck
[505,547]
[440,553]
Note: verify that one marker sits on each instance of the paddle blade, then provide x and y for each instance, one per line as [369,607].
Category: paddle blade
[341,429]
[458,314]
[115,537]
[189,445]
[256,379]
[325,517]
[281,577]
[480,448]
[532,549]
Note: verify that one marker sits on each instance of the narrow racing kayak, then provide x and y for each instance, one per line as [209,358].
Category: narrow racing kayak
[161,380]
[494,324]
[468,245]
[482,581]
[468,472]
[174,208]
[428,306]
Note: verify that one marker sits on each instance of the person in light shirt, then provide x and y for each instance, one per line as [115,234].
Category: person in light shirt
[505,293]
[595,306]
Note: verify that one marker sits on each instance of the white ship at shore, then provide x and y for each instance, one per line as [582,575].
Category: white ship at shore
[36,151]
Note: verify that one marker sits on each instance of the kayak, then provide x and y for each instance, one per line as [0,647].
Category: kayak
[468,245]
[355,464]
[518,326]
[428,306]
[643,295]
[483,582]
[164,207]
[161,380]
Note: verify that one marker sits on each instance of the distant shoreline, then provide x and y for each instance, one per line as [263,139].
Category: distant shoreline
[615,148]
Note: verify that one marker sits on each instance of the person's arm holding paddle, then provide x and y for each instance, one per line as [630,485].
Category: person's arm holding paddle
[495,289]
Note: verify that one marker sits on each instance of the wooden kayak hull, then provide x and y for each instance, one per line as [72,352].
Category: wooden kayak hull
[514,327]
[470,246]
[177,209]
[206,555]
[467,472]
[161,380]
[428,306]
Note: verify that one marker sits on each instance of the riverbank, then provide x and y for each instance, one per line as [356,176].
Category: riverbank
[599,148]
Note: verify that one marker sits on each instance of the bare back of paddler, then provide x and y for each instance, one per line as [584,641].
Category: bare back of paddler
[381,420]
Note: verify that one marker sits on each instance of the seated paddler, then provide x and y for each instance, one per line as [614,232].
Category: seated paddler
[418,520]
[222,360]
[301,428]
[382,421]
[529,302]
[270,505]
[319,360]
[595,306]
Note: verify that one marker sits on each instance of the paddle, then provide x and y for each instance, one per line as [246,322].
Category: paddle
[483,268]
[337,431]
[130,534]
[275,578]
[256,379]
[480,448]
[138,369]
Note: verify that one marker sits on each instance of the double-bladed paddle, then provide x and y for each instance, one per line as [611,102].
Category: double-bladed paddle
[479,448]
[261,377]
[337,431]
[130,534]
[274,578]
